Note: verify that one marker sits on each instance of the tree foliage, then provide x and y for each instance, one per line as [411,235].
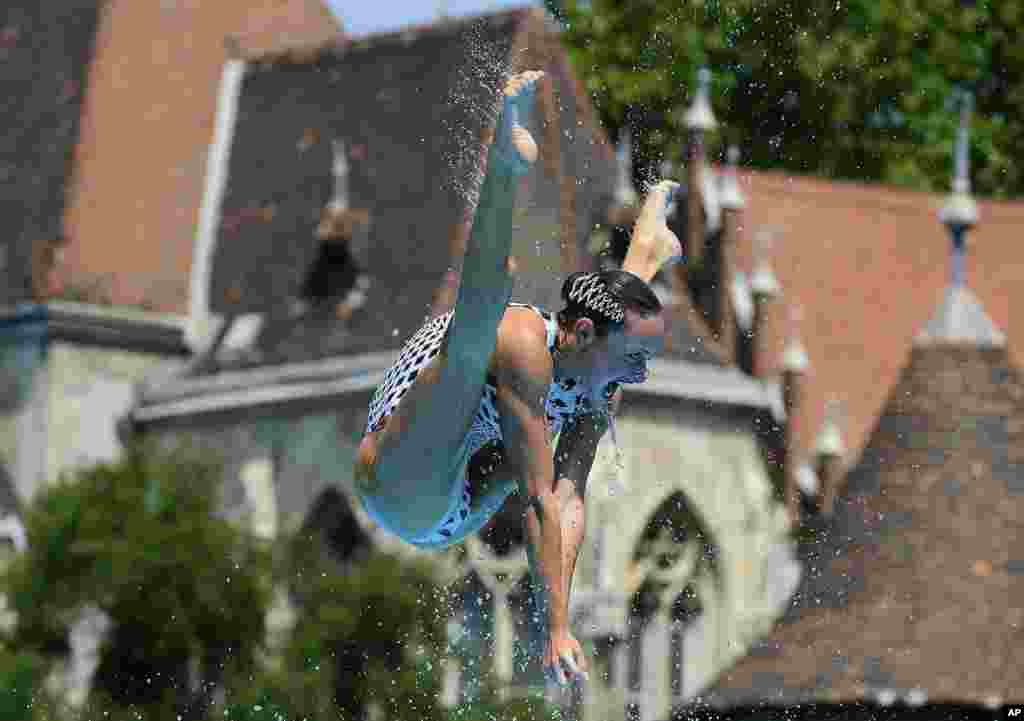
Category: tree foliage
[367,633]
[144,541]
[852,89]
[141,541]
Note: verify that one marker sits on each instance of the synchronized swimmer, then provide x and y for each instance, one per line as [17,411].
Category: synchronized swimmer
[467,414]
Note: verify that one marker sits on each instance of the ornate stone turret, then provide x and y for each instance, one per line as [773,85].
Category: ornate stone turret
[335,274]
[794,369]
[960,317]
[764,288]
[794,360]
[829,453]
[732,203]
[625,200]
[625,194]
[960,212]
[611,242]
[699,119]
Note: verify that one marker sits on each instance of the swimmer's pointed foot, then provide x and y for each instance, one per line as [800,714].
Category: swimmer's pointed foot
[654,245]
[514,148]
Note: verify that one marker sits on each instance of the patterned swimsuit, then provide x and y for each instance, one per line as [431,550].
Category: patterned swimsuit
[566,398]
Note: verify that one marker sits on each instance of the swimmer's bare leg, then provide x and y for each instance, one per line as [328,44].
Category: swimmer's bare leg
[486,282]
[653,245]
[412,457]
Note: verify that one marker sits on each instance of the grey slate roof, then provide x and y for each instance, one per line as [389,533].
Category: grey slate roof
[913,583]
[46,47]
[410,107]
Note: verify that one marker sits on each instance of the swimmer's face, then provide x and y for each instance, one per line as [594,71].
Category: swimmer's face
[622,355]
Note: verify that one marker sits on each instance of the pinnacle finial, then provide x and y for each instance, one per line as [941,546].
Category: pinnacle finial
[830,438]
[700,117]
[625,193]
[960,212]
[731,197]
[794,357]
[763,283]
[340,168]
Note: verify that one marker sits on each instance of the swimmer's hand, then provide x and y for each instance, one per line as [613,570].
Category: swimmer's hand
[564,661]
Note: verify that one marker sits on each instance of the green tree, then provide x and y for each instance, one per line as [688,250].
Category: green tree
[367,633]
[23,696]
[856,89]
[141,540]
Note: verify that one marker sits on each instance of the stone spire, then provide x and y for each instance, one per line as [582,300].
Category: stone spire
[764,288]
[830,451]
[794,371]
[960,317]
[625,193]
[732,204]
[699,120]
[794,357]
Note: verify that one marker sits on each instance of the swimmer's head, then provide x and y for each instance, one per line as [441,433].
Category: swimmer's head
[604,297]
[613,324]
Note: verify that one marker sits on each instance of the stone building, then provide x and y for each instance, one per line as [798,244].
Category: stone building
[107,117]
[94,258]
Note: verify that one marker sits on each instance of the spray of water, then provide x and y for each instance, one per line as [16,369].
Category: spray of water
[472,104]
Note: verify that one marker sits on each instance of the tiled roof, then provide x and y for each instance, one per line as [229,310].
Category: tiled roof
[870,265]
[410,107]
[917,582]
[276,26]
[46,47]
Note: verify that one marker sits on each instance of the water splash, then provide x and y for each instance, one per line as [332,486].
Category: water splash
[472,102]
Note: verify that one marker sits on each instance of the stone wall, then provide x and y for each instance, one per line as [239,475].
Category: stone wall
[732,559]
[23,380]
[89,390]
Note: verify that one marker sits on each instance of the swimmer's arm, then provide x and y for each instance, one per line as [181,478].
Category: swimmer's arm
[523,374]
[574,459]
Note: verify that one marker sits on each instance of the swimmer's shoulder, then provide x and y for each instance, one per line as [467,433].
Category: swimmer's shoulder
[524,325]
[523,342]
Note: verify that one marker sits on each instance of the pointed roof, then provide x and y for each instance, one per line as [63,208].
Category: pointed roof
[915,585]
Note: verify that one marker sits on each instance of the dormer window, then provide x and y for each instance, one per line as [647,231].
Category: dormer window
[335,276]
